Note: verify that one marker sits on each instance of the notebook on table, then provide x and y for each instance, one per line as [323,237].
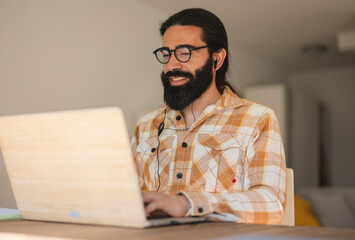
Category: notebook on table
[75,166]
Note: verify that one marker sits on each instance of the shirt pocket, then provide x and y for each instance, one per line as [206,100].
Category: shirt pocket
[221,157]
[149,152]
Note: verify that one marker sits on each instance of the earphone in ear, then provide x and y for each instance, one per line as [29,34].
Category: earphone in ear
[215,64]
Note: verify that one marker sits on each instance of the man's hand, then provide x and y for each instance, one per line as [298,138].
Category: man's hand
[160,204]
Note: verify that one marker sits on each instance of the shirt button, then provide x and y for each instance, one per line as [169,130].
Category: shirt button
[200,209]
[184,144]
[178,117]
[179,175]
[153,150]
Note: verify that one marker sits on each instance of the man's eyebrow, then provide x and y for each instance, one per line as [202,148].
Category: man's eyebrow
[186,45]
[182,45]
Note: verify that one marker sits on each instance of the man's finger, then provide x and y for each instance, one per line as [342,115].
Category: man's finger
[152,206]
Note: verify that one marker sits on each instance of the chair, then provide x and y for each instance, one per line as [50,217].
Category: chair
[289,215]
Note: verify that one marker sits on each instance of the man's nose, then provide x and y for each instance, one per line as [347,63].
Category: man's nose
[173,64]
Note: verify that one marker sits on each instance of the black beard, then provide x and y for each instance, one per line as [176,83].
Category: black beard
[179,97]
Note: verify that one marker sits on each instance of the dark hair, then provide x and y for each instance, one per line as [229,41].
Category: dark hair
[213,33]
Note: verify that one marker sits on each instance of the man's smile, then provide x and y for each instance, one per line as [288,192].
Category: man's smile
[177,81]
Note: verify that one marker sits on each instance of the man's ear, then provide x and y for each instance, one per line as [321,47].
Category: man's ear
[218,58]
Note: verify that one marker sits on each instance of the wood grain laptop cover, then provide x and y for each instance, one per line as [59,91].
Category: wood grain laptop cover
[72,166]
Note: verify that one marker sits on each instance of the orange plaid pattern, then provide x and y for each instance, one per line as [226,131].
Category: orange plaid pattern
[230,163]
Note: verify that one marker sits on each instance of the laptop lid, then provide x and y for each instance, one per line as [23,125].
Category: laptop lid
[73,166]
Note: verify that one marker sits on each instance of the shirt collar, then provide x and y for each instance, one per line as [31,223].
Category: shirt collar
[228,99]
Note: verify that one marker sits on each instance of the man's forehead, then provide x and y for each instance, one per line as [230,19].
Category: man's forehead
[178,35]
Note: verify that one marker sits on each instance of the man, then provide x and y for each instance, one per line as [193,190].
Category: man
[207,152]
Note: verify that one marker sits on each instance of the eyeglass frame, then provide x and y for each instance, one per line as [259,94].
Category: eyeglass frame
[189,47]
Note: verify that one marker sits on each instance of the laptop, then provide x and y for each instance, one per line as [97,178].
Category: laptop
[75,166]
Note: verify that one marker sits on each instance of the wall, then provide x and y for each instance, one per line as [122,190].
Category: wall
[335,89]
[248,69]
[72,54]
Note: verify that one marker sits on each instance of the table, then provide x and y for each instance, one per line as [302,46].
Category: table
[209,230]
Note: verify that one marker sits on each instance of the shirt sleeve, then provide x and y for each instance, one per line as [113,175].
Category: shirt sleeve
[263,198]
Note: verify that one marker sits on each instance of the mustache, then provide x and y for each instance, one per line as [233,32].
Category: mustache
[177,73]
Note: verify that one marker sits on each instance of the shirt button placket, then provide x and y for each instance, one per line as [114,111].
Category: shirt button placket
[180,175]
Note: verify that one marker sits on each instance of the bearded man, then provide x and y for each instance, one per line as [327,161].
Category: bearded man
[207,152]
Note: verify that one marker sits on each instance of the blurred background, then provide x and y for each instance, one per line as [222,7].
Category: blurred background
[296,56]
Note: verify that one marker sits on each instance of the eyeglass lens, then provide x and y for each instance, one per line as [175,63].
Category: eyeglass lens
[181,53]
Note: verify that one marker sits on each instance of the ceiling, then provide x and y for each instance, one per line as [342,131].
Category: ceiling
[276,30]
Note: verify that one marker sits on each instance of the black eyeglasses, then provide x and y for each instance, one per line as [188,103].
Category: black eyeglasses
[182,53]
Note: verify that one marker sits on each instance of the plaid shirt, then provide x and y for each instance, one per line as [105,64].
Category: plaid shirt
[229,164]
